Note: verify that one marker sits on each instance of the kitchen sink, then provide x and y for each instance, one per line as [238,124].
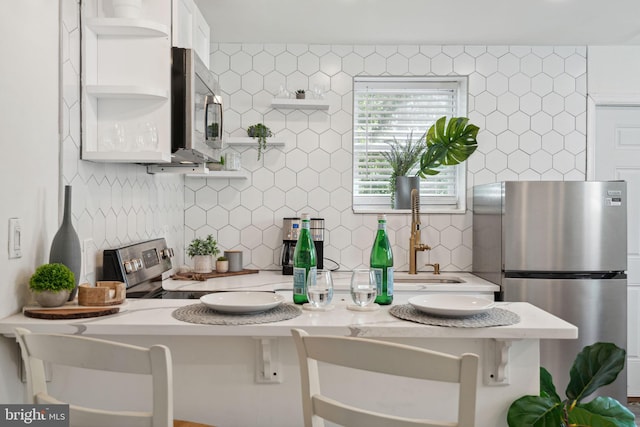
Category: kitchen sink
[424,280]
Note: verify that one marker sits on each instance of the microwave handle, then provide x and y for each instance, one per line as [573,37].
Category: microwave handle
[211,100]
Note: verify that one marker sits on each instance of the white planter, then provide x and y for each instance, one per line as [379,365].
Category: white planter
[126,8]
[222,266]
[202,264]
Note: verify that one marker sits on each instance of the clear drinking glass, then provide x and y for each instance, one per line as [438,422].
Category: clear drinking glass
[320,291]
[363,287]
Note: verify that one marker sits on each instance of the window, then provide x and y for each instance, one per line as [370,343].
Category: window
[385,108]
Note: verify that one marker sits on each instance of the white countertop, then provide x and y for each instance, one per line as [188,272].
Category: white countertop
[154,317]
[275,281]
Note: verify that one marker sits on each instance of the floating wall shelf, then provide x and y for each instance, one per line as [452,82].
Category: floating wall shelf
[240,174]
[248,141]
[300,104]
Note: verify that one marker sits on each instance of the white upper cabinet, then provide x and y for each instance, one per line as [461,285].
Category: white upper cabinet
[126,84]
[190,30]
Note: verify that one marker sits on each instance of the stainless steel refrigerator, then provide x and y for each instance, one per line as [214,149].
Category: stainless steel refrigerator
[562,246]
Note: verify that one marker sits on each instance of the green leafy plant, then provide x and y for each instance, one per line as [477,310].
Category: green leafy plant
[207,246]
[223,258]
[261,132]
[448,144]
[596,366]
[300,92]
[402,157]
[53,277]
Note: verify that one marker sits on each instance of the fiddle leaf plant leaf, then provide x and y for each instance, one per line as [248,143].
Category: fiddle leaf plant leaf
[602,412]
[448,144]
[535,411]
[547,389]
[595,366]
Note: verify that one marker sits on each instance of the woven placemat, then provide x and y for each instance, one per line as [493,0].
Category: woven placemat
[200,313]
[494,317]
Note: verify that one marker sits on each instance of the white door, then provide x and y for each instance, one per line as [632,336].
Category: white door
[616,155]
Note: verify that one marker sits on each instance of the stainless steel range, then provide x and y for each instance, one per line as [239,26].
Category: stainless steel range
[141,266]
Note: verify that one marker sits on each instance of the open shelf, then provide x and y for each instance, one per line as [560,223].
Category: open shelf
[127,27]
[127,92]
[248,141]
[127,157]
[300,104]
[239,174]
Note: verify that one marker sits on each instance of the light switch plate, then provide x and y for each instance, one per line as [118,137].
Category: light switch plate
[15,238]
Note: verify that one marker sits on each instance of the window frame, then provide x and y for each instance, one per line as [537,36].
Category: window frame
[428,205]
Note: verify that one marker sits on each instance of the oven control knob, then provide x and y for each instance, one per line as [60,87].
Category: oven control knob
[137,263]
[128,267]
[167,253]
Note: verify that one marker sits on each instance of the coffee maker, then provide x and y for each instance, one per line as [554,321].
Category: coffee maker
[290,232]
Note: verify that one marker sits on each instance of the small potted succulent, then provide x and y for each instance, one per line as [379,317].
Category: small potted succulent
[261,132]
[52,284]
[201,250]
[222,264]
[300,94]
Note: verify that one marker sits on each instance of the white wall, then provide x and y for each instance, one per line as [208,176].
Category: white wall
[29,141]
[614,70]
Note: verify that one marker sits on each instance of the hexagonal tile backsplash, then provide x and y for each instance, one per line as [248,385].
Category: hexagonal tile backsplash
[530,103]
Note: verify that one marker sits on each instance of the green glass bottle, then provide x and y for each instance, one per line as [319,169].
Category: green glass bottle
[304,262]
[381,262]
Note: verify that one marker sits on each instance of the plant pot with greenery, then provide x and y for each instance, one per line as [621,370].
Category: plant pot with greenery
[596,366]
[261,132]
[52,284]
[402,158]
[201,250]
[300,94]
[222,265]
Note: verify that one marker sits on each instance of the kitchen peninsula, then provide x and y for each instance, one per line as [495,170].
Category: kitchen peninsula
[247,375]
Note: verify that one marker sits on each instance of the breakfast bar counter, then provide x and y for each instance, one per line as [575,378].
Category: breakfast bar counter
[247,375]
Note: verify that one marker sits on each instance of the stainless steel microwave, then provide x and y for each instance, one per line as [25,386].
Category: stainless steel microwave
[196,109]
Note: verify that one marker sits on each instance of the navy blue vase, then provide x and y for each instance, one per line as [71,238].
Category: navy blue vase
[65,248]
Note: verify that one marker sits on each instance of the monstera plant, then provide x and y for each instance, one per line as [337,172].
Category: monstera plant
[596,366]
[448,144]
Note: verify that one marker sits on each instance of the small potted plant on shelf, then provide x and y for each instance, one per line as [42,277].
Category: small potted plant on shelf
[261,132]
[222,264]
[300,94]
[201,250]
[402,158]
[52,284]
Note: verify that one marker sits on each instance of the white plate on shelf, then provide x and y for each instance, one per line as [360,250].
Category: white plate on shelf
[242,302]
[451,305]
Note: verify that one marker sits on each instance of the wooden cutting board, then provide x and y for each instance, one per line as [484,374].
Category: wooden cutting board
[69,313]
[212,275]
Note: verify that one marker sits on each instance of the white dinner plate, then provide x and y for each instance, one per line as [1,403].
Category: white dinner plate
[242,302]
[451,305]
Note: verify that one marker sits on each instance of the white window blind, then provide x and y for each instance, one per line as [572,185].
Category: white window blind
[385,108]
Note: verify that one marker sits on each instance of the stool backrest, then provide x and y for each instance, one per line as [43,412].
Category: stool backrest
[97,354]
[383,357]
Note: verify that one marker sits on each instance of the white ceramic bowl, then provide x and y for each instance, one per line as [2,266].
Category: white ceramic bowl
[242,302]
[451,305]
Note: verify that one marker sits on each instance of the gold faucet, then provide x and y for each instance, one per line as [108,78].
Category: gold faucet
[414,240]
